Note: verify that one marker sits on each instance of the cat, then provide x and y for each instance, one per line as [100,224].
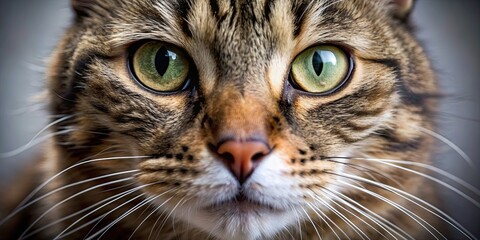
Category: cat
[196,119]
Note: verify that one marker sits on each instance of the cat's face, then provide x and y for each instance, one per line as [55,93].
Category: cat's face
[244,111]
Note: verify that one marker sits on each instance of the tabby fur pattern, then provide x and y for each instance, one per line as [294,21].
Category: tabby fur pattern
[325,177]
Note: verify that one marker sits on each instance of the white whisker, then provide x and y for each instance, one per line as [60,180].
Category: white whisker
[81,211]
[116,198]
[173,209]
[459,192]
[34,141]
[445,217]
[68,186]
[69,198]
[133,209]
[340,215]
[370,215]
[407,212]
[449,143]
[324,219]
[145,219]
[311,222]
[437,170]
[37,189]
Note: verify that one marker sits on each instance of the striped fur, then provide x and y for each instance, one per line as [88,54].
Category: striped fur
[242,52]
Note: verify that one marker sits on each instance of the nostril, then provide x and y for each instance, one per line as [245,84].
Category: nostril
[258,156]
[228,157]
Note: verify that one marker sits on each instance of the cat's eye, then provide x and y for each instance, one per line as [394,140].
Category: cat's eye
[321,69]
[160,67]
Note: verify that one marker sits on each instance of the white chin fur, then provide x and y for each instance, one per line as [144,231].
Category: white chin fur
[233,224]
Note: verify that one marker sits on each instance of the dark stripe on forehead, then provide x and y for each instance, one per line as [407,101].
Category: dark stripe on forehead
[184,7]
[214,7]
[233,13]
[267,9]
[299,11]
[246,13]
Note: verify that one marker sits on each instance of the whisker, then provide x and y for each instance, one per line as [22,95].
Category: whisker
[357,167]
[299,224]
[158,219]
[443,216]
[79,212]
[450,144]
[133,209]
[116,197]
[290,233]
[375,218]
[34,141]
[399,192]
[450,176]
[173,209]
[156,222]
[37,189]
[154,211]
[30,108]
[69,198]
[340,215]
[406,211]
[69,186]
[210,232]
[146,202]
[120,187]
[324,219]
[311,222]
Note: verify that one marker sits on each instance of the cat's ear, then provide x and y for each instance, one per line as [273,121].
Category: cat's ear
[401,8]
[83,7]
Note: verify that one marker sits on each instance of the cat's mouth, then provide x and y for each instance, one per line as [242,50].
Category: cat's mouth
[243,203]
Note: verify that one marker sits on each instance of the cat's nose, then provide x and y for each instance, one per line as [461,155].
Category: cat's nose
[242,157]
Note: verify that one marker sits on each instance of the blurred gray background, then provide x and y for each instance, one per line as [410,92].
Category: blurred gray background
[450,31]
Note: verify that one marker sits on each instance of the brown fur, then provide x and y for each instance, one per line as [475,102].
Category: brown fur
[242,51]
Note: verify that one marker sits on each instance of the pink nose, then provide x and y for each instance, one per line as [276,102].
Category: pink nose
[243,157]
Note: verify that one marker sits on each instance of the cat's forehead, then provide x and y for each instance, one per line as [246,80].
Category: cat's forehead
[234,33]
[229,22]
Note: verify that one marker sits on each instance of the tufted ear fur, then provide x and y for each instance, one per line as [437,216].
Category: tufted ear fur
[89,8]
[82,7]
[401,8]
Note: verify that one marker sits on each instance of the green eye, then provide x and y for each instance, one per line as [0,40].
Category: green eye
[160,67]
[320,69]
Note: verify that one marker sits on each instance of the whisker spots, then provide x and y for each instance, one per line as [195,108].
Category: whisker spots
[302,152]
[169,170]
[179,156]
[304,159]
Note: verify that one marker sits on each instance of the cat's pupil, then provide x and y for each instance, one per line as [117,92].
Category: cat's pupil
[162,60]
[317,63]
